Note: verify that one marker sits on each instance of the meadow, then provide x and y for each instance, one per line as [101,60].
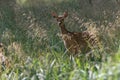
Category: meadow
[35,51]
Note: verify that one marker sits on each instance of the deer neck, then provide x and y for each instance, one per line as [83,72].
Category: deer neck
[63,29]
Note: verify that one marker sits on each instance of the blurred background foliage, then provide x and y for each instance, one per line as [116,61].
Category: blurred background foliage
[30,24]
[28,29]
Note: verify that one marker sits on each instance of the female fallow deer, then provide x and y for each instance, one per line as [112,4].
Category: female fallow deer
[75,42]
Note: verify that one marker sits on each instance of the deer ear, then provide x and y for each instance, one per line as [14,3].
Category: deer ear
[65,14]
[54,15]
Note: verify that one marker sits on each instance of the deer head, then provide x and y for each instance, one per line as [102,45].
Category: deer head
[60,18]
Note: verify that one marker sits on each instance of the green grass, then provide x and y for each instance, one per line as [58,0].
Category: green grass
[35,50]
[55,66]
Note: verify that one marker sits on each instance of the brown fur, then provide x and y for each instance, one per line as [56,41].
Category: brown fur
[75,42]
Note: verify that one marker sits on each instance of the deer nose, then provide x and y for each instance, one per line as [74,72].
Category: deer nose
[59,23]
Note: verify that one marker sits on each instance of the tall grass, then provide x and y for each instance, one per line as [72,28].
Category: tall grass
[35,50]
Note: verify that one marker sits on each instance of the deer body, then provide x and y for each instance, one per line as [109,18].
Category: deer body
[75,42]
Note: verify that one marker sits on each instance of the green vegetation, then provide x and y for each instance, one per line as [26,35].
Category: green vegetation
[35,50]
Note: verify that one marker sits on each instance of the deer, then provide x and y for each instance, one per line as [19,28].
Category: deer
[75,42]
